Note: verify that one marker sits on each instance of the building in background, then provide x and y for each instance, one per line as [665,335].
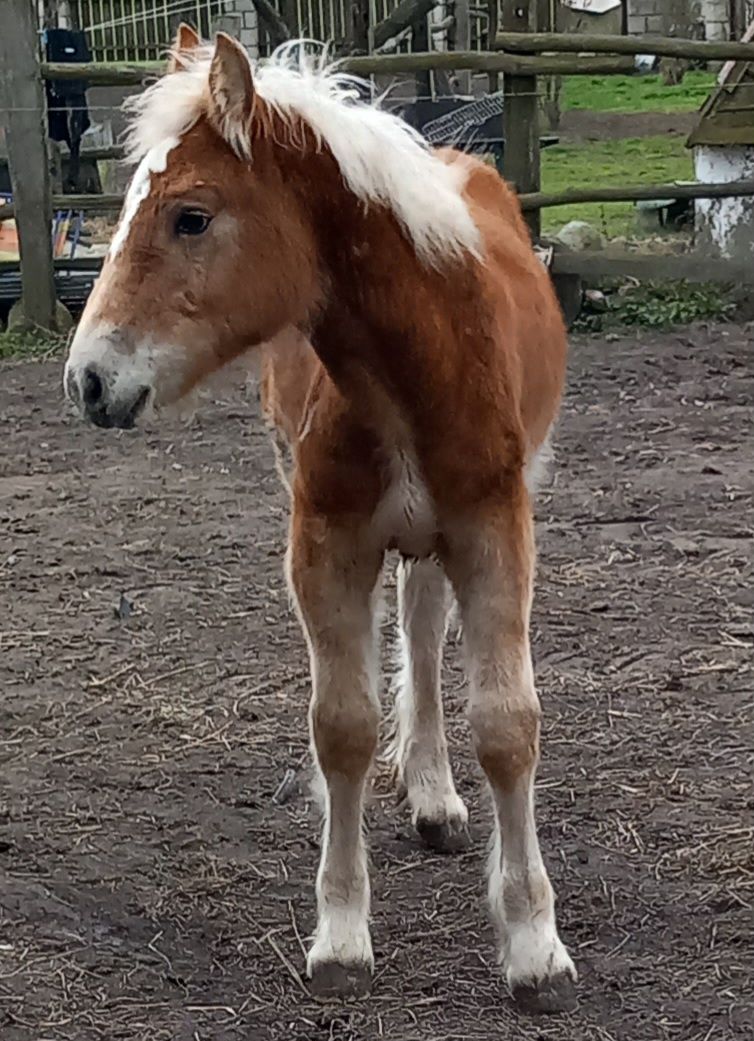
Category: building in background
[589,16]
[706,19]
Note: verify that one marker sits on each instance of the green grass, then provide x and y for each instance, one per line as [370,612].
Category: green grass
[660,305]
[635,93]
[31,344]
[646,160]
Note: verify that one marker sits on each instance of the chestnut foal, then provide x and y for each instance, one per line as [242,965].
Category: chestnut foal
[414,363]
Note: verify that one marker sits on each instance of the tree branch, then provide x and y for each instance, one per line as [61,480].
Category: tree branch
[273,24]
[405,14]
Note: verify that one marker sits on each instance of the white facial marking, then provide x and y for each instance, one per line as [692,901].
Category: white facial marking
[149,363]
[154,161]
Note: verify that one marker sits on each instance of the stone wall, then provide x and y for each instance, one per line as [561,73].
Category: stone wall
[716,17]
[672,17]
[240,20]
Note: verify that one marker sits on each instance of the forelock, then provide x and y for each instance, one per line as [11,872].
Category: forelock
[383,161]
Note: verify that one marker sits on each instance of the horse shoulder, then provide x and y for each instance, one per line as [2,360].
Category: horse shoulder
[530,321]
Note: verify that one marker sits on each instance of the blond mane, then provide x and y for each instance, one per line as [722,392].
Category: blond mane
[383,161]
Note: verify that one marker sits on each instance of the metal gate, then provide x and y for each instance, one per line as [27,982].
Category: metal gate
[139,30]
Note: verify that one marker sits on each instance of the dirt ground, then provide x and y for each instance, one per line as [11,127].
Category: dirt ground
[154,695]
[577,125]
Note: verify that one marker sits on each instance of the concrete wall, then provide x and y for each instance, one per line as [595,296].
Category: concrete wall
[105,103]
[716,16]
[725,226]
[245,25]
[666,16]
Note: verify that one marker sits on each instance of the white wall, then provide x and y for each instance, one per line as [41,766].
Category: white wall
[727,225]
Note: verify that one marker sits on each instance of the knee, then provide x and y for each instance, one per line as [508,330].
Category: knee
[506,738]
[345,730]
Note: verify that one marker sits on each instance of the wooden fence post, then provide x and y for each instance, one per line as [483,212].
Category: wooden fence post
[357,36]
[420,44]
[22,101]
[493,78]
[462,41]
[521,113]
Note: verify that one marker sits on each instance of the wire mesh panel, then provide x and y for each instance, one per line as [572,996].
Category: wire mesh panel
[139,30]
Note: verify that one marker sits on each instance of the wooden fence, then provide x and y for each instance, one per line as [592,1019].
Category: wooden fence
[520,55]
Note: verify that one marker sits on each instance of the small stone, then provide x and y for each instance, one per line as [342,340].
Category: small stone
[124,610]
[17,319]
[580,235]
[596,299]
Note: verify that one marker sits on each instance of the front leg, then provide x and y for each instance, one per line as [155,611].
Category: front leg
[491,563]
[334,581]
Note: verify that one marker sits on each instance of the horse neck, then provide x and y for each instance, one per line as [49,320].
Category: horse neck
[390,319]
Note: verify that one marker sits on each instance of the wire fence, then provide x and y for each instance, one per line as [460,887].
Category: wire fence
[141,30]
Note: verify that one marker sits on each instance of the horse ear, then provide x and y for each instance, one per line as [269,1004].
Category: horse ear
[186,40]
[231,88]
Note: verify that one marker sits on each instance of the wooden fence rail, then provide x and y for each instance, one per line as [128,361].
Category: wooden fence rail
[587,264]
[530,201]
[600,43]
[115,75]
[573,55]
[521,56]
[672,190]
[103,74]
[87,203]
[594,265]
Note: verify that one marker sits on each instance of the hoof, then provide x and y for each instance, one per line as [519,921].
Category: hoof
[443,837]
[553,994]
[332,981]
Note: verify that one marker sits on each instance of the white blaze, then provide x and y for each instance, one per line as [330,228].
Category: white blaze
[154,161]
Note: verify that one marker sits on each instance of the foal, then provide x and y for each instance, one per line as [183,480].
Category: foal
[414,365]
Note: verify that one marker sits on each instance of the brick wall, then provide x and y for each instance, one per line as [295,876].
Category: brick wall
[716,15]
[676,17]
[241,18]
[647,16]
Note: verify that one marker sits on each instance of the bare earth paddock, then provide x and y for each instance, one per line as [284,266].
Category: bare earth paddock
[152,888]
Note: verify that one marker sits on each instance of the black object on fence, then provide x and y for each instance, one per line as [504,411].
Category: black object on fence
[469,124]
[68,114]
[71,287]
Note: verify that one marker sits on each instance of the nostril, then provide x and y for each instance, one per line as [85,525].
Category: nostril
[94,388]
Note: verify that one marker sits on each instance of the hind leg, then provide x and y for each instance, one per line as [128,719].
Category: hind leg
[421,751]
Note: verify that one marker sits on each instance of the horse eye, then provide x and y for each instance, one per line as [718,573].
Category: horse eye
[192,222]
